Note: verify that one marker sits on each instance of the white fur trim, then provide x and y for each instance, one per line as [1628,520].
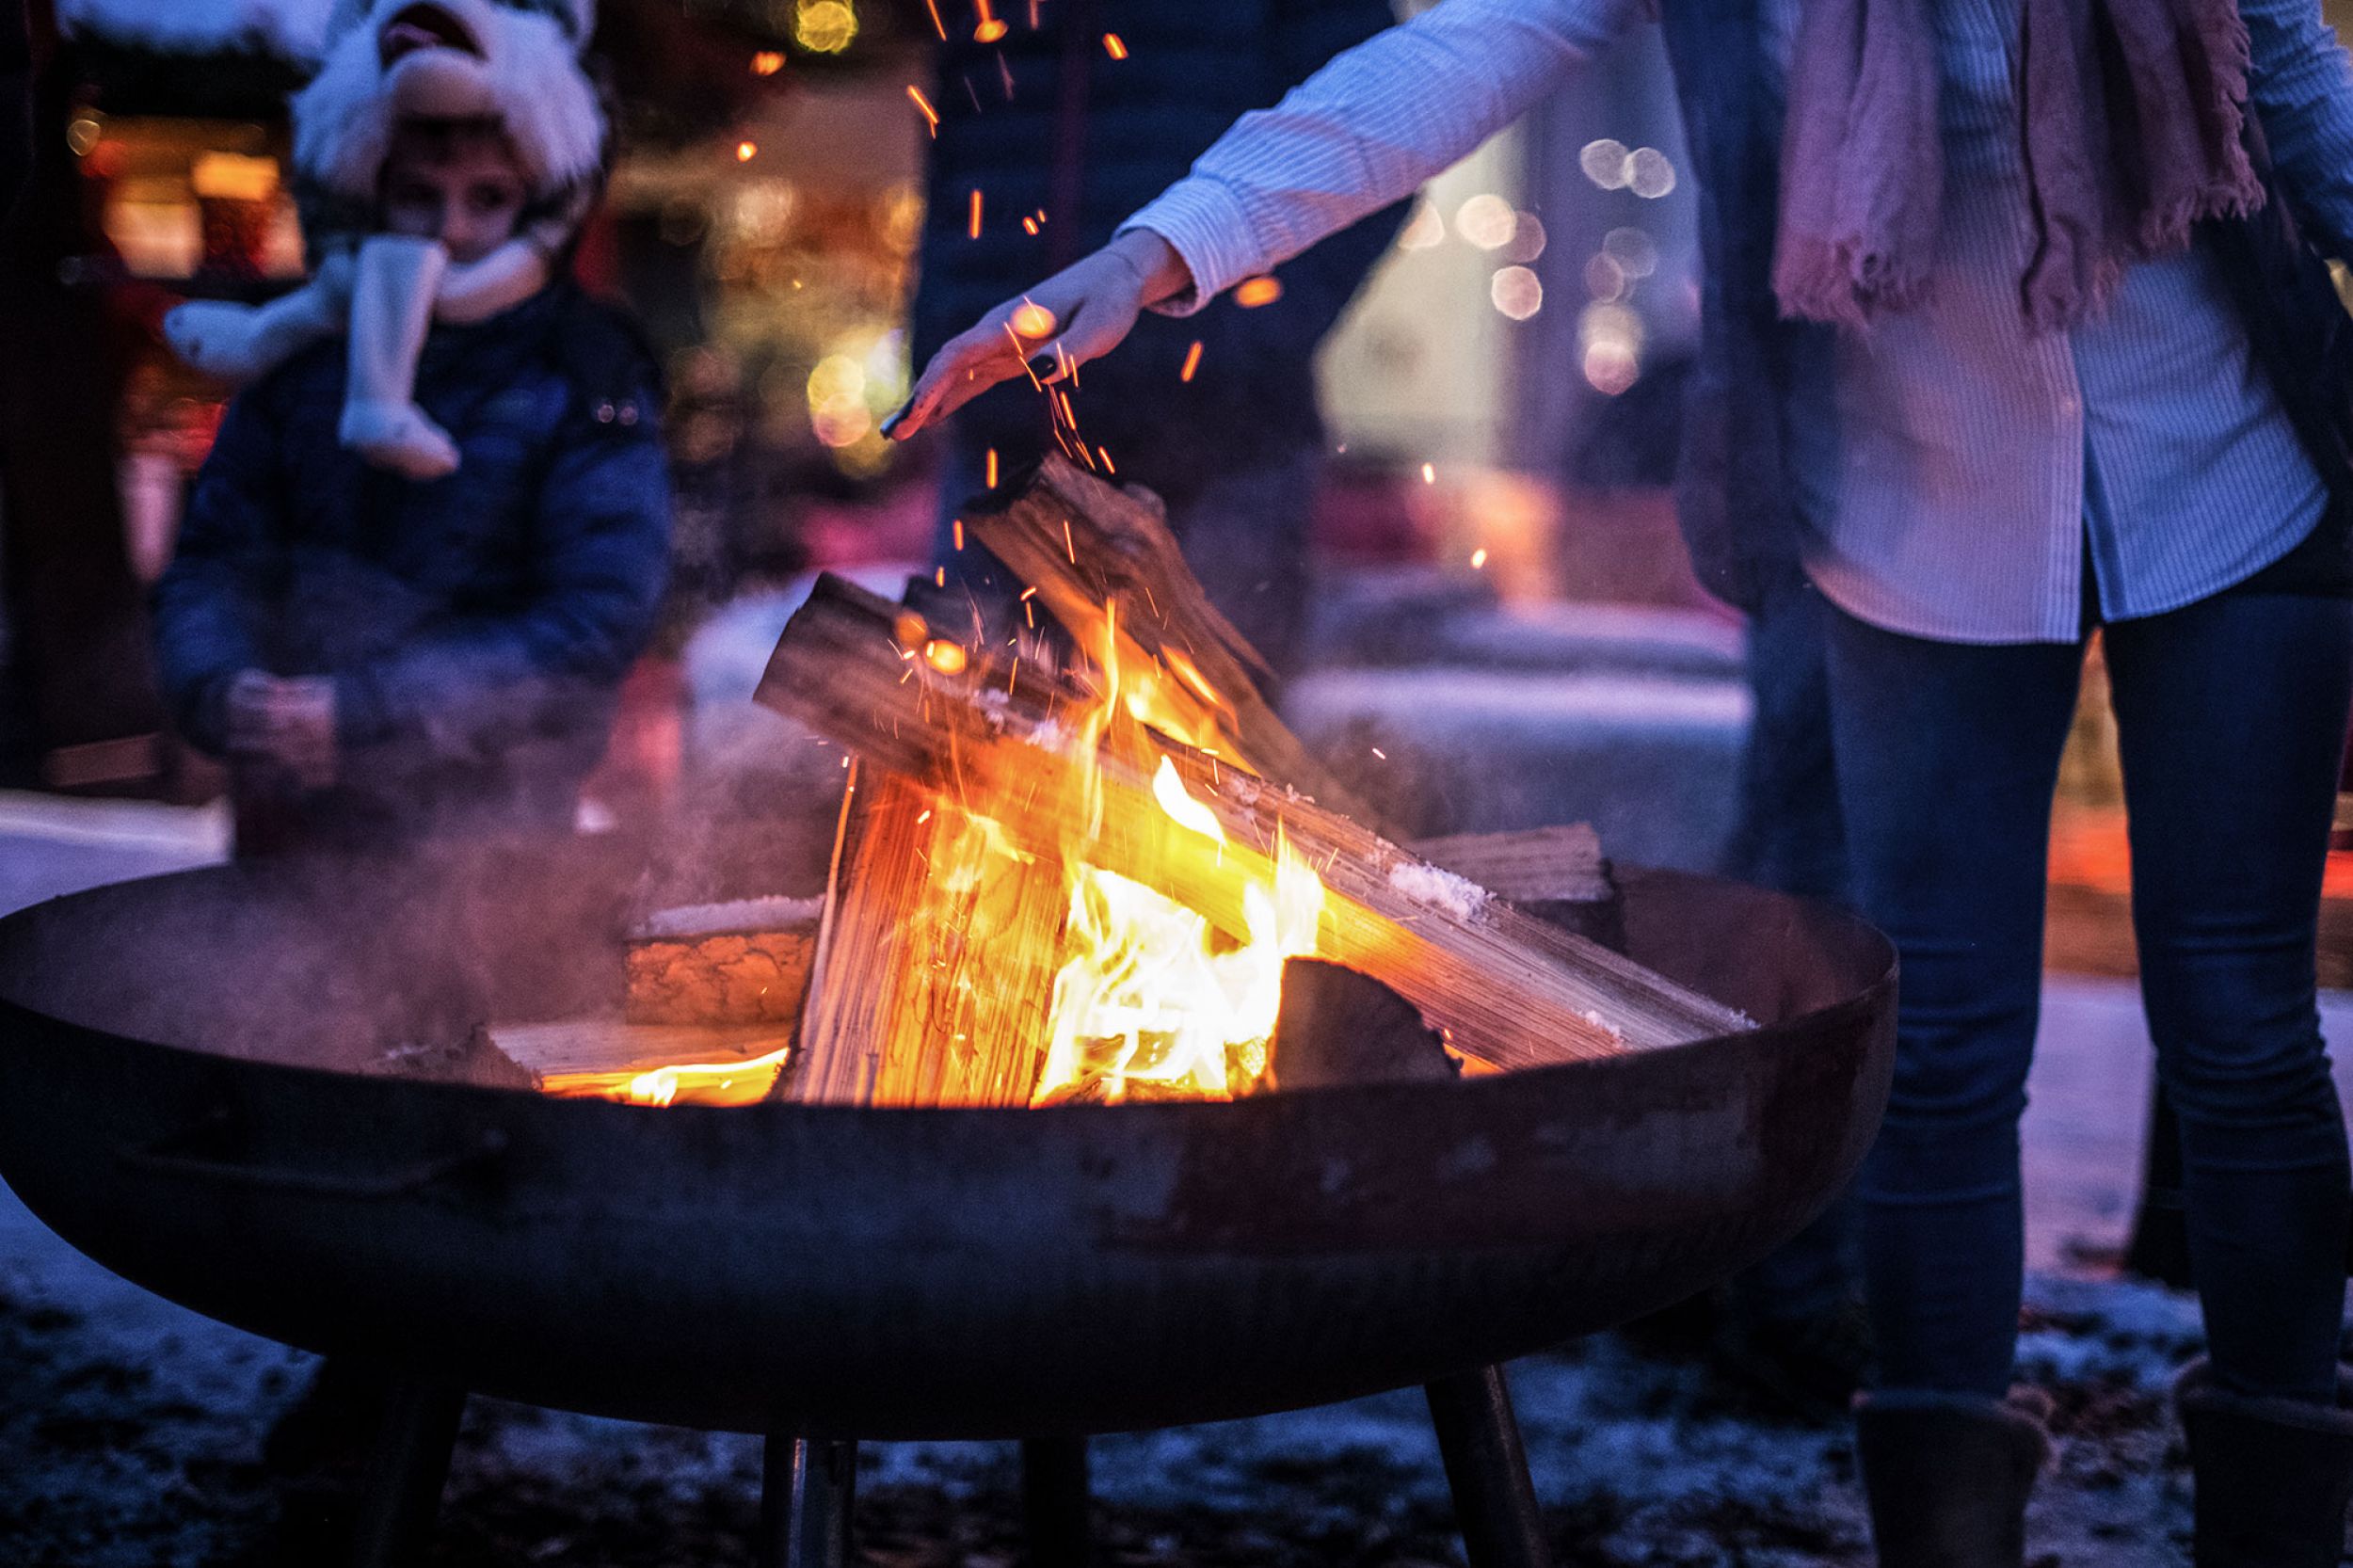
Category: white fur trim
[529,78]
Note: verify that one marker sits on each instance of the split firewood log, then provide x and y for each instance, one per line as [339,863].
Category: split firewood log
[1339,1027]
[742,962]
[650,1064]
[1102,561]
[1556,873]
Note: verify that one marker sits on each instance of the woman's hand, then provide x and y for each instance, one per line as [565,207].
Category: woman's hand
[1080,314]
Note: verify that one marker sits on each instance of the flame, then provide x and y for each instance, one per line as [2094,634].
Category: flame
[744,1082]
[1152,996]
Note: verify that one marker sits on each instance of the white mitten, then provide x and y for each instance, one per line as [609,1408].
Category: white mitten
[476,290]
[392,306]
[237,344]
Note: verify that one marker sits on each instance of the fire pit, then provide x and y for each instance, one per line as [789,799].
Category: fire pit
[191,1104]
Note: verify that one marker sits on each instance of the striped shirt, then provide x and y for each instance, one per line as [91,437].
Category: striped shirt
[1953,472]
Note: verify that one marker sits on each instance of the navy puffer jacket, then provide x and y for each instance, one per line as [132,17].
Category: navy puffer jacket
[1044,118]
[476,626]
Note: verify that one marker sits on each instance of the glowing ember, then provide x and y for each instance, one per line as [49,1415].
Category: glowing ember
[973,225]
[767,62]
[1114,46]
[1192,361]
[1033,321]
[747,151]
[1251,293]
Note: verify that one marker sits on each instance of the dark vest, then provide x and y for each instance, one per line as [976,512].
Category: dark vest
[1733,489]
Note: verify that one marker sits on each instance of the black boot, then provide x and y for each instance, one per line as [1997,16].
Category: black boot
[2273,1476]
[1947,1475]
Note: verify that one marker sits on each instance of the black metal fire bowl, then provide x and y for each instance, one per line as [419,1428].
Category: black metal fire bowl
[182,1106]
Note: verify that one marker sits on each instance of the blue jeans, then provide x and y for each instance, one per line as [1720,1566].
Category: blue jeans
[2231,717]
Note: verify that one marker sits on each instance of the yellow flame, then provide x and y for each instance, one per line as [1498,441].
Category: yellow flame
[1181,806]
[744,1082]
[1153,996]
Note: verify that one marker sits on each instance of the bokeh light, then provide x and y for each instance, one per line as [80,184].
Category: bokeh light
[1517,292]
[824,27]
[1648,173]
[1486,221]
[1605,162]
[1528,239]
[1633,250]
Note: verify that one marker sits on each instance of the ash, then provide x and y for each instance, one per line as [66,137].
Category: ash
[130,1430]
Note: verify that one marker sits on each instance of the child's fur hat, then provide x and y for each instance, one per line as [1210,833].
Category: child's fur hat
[514,61]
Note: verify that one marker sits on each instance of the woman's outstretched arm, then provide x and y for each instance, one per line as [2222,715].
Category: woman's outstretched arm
[1367,129]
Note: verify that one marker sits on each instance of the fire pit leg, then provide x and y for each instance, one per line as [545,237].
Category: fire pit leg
[1486,1468]
[808,1489]
[1054,1501]
[405,1474]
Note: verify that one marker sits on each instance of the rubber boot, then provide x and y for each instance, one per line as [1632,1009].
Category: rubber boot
[1947,1475]
[2273,1476]
[392,308]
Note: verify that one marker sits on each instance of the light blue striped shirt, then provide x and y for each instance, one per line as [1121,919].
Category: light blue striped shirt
[1953,470]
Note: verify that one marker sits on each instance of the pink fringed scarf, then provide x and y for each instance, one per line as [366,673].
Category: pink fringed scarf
[2130,114]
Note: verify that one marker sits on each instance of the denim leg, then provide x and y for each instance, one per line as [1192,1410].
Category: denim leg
[1947,756]
[1789,838]
[2231,717]
[1789,835]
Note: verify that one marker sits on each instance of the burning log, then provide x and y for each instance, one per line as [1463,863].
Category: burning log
[1087,548]
[905,1008]
[1510,990]
[1339,1028]
[643,1063]
[1556,873]
[745,961]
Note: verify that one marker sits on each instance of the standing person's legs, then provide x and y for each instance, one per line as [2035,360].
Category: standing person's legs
[2231,718]
[1947,758]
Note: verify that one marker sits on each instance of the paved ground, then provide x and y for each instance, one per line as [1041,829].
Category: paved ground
[128,1427]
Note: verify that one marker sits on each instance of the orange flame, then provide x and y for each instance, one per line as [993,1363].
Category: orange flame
[1152,996]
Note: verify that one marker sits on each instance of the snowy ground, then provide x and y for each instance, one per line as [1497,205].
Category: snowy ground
[129,1428]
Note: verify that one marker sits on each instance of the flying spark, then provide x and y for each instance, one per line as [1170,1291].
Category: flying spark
[747,151]
[931,116]
[1114,47]
[1192,361]
[1429,474]
[973,226]
[1251,293]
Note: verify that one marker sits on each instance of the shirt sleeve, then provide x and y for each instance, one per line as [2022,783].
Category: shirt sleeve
[2301,81]
[1368,129]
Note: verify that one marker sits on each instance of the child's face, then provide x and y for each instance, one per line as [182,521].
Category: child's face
[465,190]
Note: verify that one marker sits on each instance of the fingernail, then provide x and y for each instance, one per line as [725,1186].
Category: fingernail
[891,425]
[1043,366]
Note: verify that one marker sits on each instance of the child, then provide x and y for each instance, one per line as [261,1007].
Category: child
[514,62]
[383,658]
